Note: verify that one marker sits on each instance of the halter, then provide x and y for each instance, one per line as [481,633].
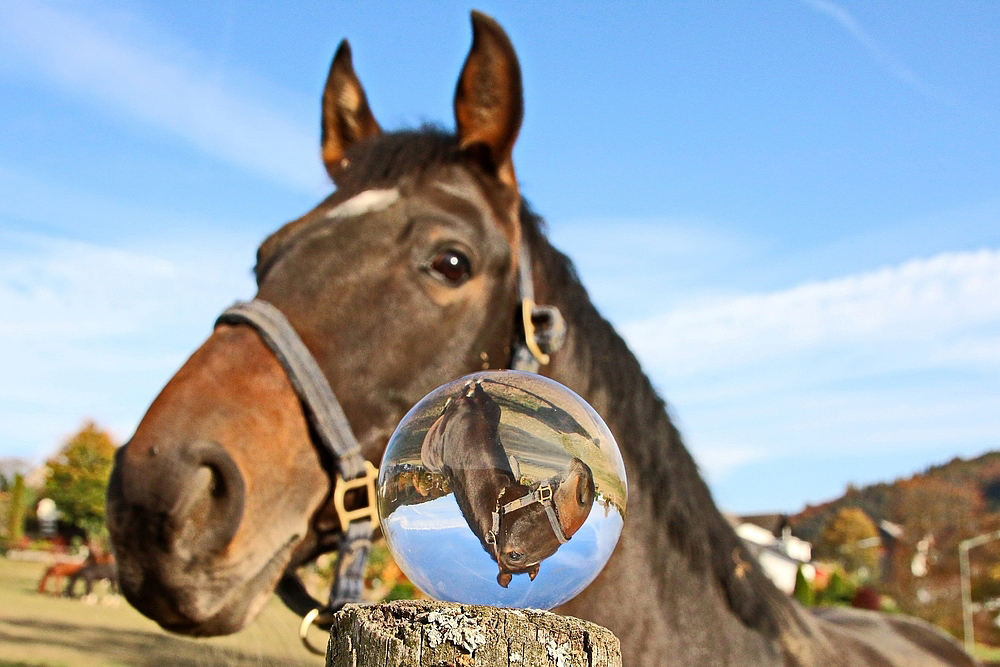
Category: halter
[543,333]
[541,495]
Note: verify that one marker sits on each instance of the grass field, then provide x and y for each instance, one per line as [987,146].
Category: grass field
[43,631]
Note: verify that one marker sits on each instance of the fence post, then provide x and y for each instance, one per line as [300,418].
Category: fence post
[415,633]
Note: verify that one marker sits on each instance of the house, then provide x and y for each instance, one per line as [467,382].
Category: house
[769,538]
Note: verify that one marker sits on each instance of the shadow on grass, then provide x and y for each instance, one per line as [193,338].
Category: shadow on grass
[135,648]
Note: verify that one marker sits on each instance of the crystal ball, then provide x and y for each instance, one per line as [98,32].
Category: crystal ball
[502,488]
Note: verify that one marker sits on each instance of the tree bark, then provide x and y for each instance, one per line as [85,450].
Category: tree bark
[440,634]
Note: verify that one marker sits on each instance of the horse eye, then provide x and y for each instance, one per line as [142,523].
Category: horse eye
[515,556]
[453,266]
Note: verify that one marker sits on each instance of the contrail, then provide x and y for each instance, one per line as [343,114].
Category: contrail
[843,18]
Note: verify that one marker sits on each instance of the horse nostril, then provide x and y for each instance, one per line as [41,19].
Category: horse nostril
[209,506]
[217,485]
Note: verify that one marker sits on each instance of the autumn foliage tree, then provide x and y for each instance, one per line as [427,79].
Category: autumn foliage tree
[936,510]
[78,477]
[848,538]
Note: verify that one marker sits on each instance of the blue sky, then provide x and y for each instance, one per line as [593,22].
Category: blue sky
[791,210]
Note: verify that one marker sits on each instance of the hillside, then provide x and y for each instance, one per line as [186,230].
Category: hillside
[940,507]
[974,483]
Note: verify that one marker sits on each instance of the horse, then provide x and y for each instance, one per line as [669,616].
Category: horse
[57,572]
[90,574]
[406,277]
[518,525]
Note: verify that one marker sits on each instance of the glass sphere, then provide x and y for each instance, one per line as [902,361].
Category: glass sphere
[502,488]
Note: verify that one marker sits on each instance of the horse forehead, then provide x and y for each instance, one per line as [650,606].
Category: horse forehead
[449,195]
[456,192]
[457,185]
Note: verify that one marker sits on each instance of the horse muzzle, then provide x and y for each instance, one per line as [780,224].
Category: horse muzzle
[172,515]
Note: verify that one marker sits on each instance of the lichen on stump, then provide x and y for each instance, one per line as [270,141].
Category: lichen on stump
[439,634]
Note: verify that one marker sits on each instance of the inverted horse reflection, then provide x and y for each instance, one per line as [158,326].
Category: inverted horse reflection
[519,525]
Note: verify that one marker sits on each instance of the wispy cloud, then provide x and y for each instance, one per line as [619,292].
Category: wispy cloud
[930,303]
[898,362]
[157,88]
[893,65]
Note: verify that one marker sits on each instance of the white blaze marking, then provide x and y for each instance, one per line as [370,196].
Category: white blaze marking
[368,201]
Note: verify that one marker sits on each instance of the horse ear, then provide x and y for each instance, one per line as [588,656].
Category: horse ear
[489,102]
[503,578]
[533,572]
[575,496]
[347,119]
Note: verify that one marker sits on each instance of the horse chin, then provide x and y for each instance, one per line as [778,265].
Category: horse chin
[202,606]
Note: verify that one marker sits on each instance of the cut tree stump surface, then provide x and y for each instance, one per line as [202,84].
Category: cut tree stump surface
[438,634]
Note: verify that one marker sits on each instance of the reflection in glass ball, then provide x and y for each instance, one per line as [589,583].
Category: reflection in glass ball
[502,488]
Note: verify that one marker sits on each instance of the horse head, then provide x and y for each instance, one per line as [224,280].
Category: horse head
[403,279]
[527,536]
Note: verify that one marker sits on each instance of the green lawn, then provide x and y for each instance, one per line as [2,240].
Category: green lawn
[43,631]
[988,654]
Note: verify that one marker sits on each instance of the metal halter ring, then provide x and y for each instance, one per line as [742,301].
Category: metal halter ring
[527,310]
[307,621]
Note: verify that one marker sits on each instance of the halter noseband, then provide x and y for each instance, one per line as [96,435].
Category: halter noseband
[543,333]
[541,495]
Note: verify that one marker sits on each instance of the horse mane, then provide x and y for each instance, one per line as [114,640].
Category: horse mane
[682,502]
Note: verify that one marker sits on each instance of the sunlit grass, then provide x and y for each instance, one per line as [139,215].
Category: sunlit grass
[46,631]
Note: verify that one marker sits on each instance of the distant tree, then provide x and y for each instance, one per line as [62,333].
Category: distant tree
[929,505]
[840,590]
[803,592]
[16,509]
[10,467]
[850,538]
[78,477]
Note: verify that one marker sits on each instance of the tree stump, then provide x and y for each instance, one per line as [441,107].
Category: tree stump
[440,634]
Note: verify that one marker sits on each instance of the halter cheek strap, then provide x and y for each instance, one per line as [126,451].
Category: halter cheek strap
[543,327]
[541,495]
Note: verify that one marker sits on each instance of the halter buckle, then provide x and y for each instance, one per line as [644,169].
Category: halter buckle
[342,486]
[544,493]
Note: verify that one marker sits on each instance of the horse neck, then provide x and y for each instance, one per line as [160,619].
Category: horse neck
[680,570]
[477,492]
